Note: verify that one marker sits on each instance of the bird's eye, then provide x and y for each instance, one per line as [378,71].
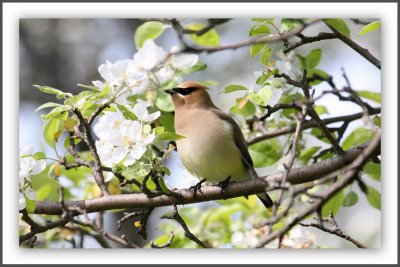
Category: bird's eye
[187,91]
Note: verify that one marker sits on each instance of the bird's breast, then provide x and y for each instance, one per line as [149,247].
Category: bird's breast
[209,151]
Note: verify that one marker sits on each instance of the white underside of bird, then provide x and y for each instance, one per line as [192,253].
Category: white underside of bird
[210,152]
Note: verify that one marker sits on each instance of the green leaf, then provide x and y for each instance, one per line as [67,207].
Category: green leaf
[50,90]
[58,112]
[126,112]
[319,135]
[313,58]
[167,136]
[137,170]
[286,99]
[321,110]
[164,102]
[39,155]
[377,120]
[323,74]
[67,139]
[48,105]
[307,154]
[357,137]
[50,129]
[370,95]
[288,24]
[350,199]
[104,92]
[266,54]
[233,88]
[333,204]
[164,188]
[373,170]
[198,67]
[208,83]
[210,38]
[256,49]
[370,27]
[243,107]
[148,30]
[30,205]
[339,25]
[262,97]
[374,197]
[44,192]
[167,120]
[259,29]
[91,87]
[70,123]
[166,170]
[265,153]
[261,79]
[258,19]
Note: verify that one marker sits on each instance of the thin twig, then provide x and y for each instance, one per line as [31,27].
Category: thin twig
[351,174]
[311,124]
[175,216]
[360,50]
[310,110]
[88,138]
[309,39]
[335,230]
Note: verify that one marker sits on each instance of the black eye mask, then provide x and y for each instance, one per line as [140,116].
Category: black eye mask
[185,91]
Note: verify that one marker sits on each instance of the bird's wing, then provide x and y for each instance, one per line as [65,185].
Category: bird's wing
[239,140]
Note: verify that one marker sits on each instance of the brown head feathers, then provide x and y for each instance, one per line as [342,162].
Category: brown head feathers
[191,84]
[190,94]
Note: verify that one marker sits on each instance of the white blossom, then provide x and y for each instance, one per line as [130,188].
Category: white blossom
[150,68]
[28,165]
[27,193]
[123,140]
[122,72]
[183,61]
[149,56]
[140,110]
[291,65]
[21,201]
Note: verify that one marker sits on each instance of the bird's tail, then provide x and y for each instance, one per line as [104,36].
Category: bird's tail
[264,197]
[266,200]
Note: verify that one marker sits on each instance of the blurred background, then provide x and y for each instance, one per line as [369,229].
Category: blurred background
[63,52]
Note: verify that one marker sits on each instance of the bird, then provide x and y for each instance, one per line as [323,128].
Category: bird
[214,148]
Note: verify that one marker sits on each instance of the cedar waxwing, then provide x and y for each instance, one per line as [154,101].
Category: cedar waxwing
[214,148]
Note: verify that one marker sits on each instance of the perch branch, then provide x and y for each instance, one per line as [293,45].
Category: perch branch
[253,186]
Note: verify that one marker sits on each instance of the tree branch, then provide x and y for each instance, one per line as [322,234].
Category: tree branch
[348,177]
[309,39]
[311,124]
[260,40]
[360,50]
[175,216]
[335,230]
[236,189]
[310,110]
[88,138]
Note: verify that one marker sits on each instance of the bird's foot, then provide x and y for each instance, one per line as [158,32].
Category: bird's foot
[196,187]
[224,184]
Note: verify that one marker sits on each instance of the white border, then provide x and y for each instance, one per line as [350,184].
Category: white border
[13,11]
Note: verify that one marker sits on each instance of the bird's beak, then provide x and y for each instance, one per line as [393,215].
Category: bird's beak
[170,91]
